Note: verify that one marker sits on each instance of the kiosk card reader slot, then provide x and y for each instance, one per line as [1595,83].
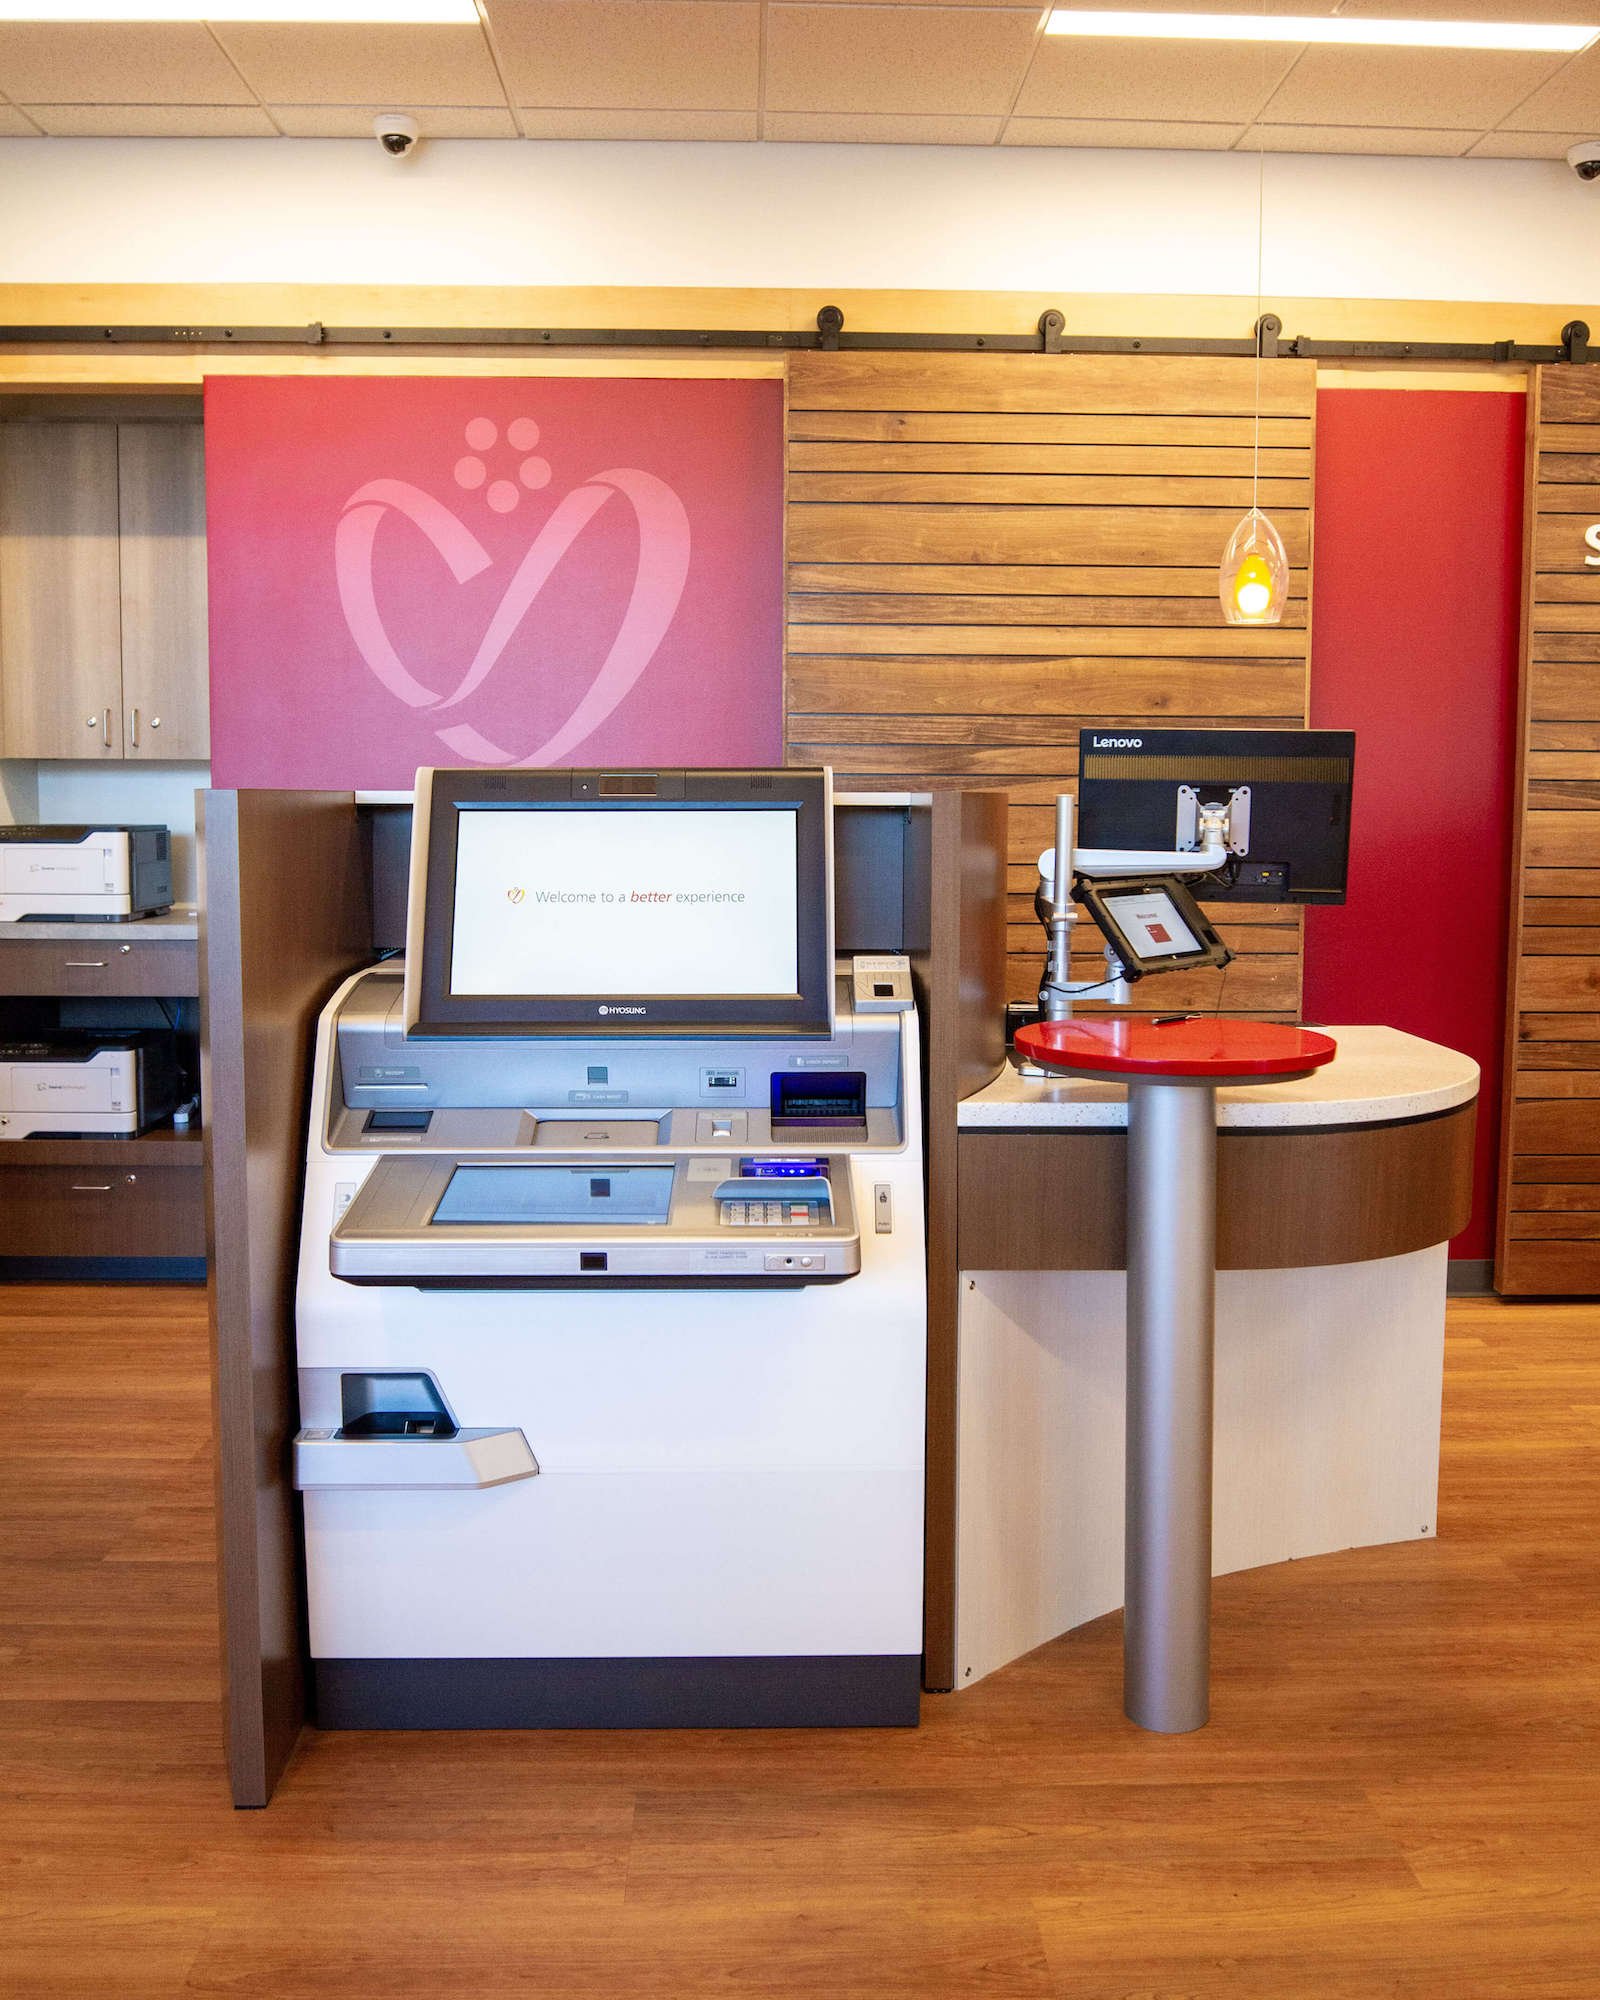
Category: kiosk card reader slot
[584,1199]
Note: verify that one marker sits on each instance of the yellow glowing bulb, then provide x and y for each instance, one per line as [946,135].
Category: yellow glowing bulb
[1252,586]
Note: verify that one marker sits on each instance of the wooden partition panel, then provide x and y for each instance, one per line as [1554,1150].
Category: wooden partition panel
[957,940]
[987,553]
[1549,1223]
[285,915]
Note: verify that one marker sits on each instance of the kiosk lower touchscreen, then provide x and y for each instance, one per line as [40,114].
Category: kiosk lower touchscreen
[611,1291]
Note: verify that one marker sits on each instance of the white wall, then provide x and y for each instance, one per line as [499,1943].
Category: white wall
[19,794]
[813,217]
[127,794]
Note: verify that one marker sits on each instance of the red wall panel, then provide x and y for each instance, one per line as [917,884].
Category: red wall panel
[1414,646]
[473,571]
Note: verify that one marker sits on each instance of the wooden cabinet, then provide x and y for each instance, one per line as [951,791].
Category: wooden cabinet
[161,503]
[60,615]
[127,1203]
[98,1196]
[94,968]
[102,591]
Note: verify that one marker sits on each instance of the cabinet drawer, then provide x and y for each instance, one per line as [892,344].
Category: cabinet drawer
[153,967]
[132,1211]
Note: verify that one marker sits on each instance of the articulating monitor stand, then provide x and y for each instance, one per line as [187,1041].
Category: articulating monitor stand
[1172,1069]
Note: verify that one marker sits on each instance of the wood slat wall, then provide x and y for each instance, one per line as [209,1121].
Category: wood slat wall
[1549,1222]
[988,552]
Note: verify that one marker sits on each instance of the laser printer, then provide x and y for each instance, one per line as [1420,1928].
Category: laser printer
[88,1082]
[102,874]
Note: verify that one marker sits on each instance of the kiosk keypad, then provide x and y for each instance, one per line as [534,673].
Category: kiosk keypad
[770,1214]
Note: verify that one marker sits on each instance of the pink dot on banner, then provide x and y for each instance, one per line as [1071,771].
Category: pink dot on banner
[470,473]
[534,473]
[522,434]
[481,433]
[502,496]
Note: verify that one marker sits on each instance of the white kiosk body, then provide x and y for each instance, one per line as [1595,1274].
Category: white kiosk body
[612,1343]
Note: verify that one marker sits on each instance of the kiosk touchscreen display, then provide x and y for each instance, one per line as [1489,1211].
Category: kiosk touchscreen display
[621,904]
[608,902]
[1149,919]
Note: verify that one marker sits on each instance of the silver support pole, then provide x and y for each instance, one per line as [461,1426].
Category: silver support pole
[1055,992]
[1172,1198]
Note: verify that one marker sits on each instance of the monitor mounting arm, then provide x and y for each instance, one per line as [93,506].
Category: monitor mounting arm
[1206,834]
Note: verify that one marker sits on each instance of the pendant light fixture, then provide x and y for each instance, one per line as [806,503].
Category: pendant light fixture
[1253,580]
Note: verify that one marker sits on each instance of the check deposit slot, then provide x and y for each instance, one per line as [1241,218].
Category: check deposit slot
[612,1408]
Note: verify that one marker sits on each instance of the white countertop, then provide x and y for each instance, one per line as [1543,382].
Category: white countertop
[1378,1076]
[181,921]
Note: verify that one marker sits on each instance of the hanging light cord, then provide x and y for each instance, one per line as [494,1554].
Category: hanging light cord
[1261,231]
[1261,238]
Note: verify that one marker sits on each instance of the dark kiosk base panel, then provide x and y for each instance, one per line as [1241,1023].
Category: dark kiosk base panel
[824,1691]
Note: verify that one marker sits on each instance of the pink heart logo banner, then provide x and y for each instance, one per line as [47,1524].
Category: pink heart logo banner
[400,575]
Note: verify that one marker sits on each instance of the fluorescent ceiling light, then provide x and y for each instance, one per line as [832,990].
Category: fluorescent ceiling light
[1546,38]
[372,13]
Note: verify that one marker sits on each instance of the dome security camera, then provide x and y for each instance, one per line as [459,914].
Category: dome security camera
[1584,159]
[396,133]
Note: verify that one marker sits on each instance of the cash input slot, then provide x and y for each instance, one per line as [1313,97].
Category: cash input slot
[820,1105]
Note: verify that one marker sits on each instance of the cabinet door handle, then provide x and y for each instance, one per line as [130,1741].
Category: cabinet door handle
[133,727]
[105,727]
[85,964]
[91,1187]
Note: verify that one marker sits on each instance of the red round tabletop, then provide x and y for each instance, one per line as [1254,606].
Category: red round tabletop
[1155,1046]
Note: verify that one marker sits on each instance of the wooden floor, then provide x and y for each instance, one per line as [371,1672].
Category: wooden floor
[1399,1794]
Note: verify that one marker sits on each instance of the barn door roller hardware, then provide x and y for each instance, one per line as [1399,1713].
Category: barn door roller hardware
[1049,336]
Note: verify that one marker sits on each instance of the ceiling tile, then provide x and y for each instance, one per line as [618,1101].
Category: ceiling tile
[1526,145]
[354,121]
[1406,88]
[1471,10]
[601,124]
[153,121]
[1176,136]
[1571,97]
[934,3]
[682,55]
[15,124]
[1427,142]
[101,62]
[1201,81]
[394,68]
[924,60]
[866,128]
[1218,6]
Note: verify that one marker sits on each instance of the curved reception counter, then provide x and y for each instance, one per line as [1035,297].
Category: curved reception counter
[1337,1194]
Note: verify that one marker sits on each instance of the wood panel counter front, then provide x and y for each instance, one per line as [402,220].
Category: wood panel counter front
[1337,1195]
[1369,1157]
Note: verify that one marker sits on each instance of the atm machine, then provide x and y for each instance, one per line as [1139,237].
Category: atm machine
[611,1296]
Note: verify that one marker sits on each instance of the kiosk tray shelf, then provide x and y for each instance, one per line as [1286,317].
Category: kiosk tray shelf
[591,1224]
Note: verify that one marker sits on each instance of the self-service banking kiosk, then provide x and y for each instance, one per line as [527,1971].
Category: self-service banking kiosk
[611,1300]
